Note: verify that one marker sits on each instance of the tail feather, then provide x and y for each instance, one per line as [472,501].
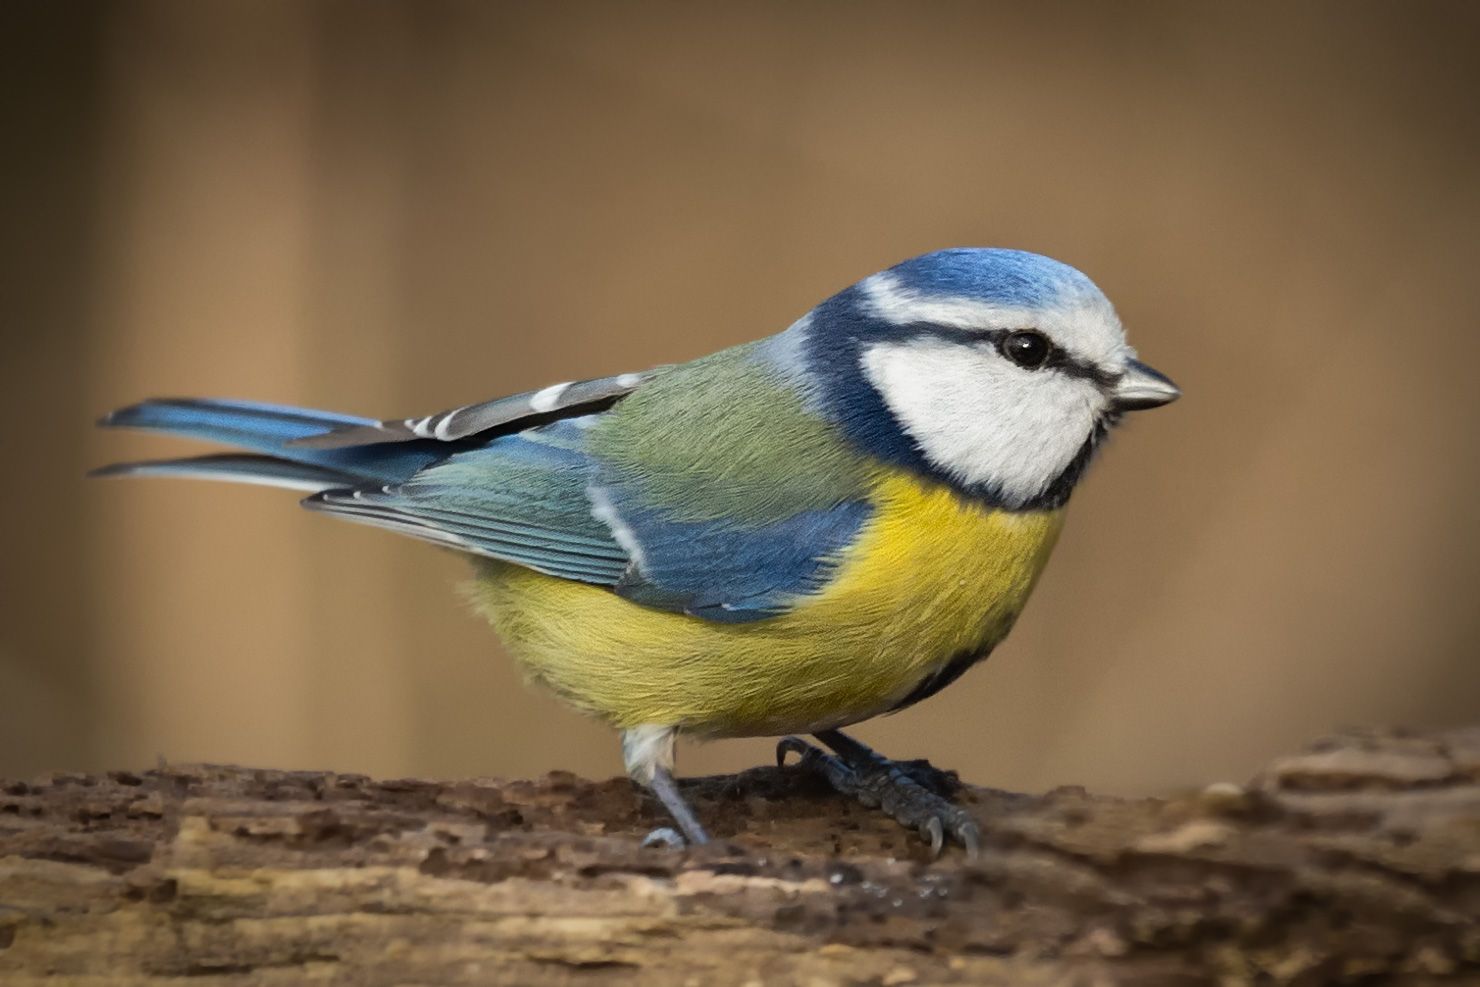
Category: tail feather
[268,429]
[240,468]
[249,424]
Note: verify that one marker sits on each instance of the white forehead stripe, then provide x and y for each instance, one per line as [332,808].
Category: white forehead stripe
[886,298]
[1085,325]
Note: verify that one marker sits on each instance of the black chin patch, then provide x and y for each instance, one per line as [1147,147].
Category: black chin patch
[1056,494]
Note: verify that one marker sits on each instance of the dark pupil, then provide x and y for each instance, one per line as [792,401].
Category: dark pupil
[1027,349]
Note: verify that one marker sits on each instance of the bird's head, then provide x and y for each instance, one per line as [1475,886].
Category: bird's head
[997,371]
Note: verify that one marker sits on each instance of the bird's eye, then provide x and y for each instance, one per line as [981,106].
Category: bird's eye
[1028,348]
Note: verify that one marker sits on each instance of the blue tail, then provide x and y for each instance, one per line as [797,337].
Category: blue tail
[267,429]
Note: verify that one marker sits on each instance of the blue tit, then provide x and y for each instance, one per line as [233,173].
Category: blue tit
[786,537]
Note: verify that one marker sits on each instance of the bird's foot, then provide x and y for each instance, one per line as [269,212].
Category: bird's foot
[665,838]
[911,792]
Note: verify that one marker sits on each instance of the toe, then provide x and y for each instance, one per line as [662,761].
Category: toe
[665,837]
[970,835]
[792,745]
[933,831]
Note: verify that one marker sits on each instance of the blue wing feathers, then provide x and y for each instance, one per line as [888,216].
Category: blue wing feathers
[525,498]
[732,572]
[533,534]
[509,541]
[515,498]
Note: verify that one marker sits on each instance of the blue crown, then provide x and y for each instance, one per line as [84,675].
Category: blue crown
[992,274]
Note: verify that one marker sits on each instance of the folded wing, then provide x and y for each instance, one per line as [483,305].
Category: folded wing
[707,490]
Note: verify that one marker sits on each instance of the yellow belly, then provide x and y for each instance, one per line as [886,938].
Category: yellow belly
[930,577]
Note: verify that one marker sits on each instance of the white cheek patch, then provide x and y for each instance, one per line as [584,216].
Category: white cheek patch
[982,420]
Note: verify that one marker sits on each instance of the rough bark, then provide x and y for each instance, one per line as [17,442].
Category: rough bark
[1356,861]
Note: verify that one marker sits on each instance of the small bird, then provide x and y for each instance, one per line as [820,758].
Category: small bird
[785,537]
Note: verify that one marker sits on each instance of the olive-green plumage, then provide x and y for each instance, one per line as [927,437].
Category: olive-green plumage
[724,438]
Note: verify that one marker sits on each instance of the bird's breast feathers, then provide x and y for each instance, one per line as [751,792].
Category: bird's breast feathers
[930,577]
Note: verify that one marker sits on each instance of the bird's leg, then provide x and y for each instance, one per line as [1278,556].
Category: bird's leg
[909,791]
[664,787]
[647,751]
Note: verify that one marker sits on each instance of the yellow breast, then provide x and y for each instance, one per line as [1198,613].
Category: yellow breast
[930,577]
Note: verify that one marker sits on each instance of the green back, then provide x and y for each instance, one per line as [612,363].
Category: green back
[726,437]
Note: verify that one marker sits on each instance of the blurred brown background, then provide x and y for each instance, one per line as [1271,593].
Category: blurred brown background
[393,208]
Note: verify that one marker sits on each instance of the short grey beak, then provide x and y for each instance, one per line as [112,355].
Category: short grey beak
[1142,388]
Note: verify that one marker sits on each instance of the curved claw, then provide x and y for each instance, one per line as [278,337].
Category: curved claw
[791,745]
[666,837]
[970,836]
[934,833]
[913,793]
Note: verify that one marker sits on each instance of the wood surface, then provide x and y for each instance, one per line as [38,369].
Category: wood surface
[1356,861]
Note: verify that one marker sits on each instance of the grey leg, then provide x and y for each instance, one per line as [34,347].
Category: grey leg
[667,792]
[647,750]
[903,791]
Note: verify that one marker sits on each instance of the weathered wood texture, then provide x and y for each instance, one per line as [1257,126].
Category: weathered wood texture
[1355,862]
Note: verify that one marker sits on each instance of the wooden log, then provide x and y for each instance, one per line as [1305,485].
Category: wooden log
[1357,861]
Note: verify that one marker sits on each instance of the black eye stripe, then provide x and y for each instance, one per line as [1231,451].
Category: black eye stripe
[1059,359]
[1070,367]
